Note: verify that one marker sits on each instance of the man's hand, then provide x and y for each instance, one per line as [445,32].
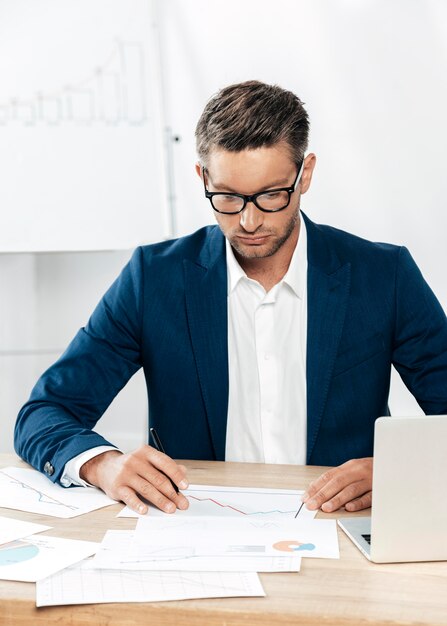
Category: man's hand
[140,473]
[347,485]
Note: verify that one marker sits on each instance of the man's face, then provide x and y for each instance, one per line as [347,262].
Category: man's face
[253,233]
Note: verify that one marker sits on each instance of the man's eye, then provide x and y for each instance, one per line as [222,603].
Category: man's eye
[229,198]
[271,195]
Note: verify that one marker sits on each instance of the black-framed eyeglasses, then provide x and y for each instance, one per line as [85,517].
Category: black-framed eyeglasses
[268,201]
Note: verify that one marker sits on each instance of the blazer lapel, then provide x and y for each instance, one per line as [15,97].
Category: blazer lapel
[328,283]
[206,308]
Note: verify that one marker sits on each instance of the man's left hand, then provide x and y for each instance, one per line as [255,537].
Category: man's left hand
[347,485]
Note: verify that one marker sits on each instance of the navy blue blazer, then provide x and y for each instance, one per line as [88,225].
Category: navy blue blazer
[368,307]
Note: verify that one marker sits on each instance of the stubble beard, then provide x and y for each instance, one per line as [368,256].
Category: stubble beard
[254,252]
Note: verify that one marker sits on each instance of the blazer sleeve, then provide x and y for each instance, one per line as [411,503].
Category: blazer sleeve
[56,423]
[420,338]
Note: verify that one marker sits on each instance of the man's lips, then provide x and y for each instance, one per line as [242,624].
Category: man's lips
[253,240]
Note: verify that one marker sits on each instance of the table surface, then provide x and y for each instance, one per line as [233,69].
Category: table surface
[347,591]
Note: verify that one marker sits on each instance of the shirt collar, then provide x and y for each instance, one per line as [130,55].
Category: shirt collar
[295,276]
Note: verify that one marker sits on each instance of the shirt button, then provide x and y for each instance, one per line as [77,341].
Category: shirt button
[48,469]
[266,356]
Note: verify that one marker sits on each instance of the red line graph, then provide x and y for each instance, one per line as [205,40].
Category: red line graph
[224,506]
[233,508]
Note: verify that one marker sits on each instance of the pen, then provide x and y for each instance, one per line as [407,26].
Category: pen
[159,446]
[297,513]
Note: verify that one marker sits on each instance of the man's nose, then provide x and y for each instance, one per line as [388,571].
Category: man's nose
[251,218]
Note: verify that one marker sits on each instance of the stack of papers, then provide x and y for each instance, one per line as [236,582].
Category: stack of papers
[11,529]
[214,549]
[27,556]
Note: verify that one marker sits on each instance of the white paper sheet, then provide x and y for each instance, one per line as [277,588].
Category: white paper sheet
[161,538]
[212,500]
[83,585]
[29,490]
[114,553]
[11,529]
[33,558]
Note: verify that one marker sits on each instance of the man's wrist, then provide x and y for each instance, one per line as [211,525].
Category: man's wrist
[89,471]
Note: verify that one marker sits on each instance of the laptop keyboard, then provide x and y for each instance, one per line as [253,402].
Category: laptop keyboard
[367,538]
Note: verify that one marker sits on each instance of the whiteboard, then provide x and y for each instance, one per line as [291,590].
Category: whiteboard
[81,139]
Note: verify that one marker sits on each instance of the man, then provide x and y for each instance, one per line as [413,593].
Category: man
[266,338]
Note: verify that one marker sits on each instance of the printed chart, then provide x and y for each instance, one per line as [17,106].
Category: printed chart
[115,552]
[29,490]
[82,585]
[159,539]
[247,502]
[37,557]
[17,552]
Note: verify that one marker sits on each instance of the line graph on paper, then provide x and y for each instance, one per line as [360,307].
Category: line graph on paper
[231,509]
[38,495]
[255,503]
[23,491]
[80,584]
[29,490]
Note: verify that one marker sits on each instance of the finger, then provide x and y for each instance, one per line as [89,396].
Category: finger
[168,466]
[328,490]
[319,484]
[183,468]
[158,479]
[348,494]
[129,497]
[152,494]
[337,479]
[364,502]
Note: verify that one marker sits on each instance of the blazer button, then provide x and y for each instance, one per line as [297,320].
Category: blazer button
[48,469]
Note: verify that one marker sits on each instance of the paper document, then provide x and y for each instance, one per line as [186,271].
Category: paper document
[211,500]
[29,490]
[11,529]
[81,584]
[36,557]
[114,553]
[184,537]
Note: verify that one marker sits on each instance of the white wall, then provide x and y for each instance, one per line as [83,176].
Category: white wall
[372,75]
[45,299]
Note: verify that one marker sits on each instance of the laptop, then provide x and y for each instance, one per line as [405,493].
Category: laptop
[409,497]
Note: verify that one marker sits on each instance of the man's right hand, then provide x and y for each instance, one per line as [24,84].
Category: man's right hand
[126,477]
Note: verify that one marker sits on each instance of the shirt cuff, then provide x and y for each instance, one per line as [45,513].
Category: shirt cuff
[72,468]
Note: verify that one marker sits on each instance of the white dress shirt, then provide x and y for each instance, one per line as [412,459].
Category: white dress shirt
[267,335]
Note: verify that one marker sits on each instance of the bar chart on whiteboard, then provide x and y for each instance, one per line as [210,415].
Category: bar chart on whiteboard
[113,93]
[81,129]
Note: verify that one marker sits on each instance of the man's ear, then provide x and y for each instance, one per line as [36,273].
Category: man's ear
[308,169]
[199,169]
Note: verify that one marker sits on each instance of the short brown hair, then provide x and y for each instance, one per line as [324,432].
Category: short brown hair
[252,115]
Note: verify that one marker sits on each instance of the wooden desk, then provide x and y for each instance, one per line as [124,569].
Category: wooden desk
[347,591]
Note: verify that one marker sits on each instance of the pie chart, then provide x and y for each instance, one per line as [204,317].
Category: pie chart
[17,552]
[291,545]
